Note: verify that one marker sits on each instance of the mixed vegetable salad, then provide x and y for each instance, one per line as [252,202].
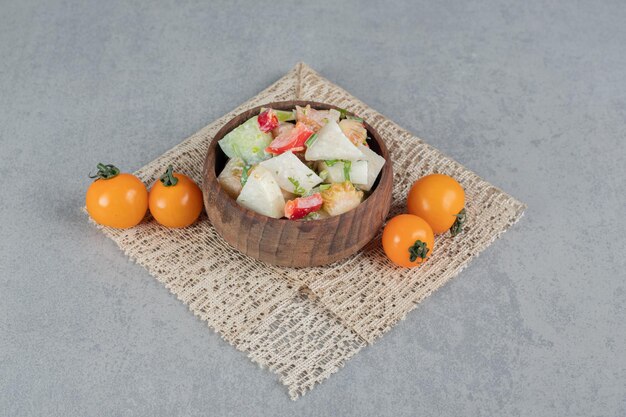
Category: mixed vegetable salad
[301,164]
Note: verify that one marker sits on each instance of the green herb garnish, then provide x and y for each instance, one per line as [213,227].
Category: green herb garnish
[332,162]
[323,174]
[343,113]
[311,140]
[297,189]
[324,187]
[244,174]
[358,119]
[347,166]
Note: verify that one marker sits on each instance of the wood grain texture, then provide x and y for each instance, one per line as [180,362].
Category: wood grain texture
[291,242]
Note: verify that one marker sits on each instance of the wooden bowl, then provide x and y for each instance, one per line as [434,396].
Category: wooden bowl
[294,243]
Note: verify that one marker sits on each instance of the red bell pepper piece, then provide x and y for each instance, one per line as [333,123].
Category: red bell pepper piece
[267,120]
[301,206]
[290,141]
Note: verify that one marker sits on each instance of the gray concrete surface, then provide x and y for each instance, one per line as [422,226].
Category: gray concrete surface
[529,94]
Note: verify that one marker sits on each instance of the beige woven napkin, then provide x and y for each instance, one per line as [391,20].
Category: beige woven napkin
[304,324]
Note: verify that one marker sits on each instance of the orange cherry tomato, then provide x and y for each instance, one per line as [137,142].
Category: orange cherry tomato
[438,199]
[175,200]
[116,200]
[408,240]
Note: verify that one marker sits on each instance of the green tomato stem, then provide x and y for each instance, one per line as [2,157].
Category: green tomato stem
[168,179]
[105,172]
[457,227]
[418,250]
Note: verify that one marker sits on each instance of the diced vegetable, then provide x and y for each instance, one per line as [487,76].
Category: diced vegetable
[347,166]
[341,198]
[303,115]
[292,140]
[317,215]
[267,120]
[283,115]
[244,174]
[300,207]
[291,174]
[330,144]
[318,189]
[334,115]
[283,128]
[375,164]
[262,194]
[230,177]
[356,170]
[310,140]
[247,142]
[354,130]
[315,119]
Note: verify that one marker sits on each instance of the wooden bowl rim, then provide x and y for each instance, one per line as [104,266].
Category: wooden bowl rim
[385,173]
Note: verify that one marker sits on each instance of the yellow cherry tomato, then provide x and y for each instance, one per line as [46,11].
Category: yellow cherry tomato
[408,240]
[438,199]
[175,200]
[116,200]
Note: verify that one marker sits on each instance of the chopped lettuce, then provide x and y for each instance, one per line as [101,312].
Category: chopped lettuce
[247,142]
[285,116]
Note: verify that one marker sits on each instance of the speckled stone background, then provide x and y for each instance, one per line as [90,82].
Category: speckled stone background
[530,95]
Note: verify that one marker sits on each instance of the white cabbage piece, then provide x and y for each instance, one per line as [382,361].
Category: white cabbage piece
[262,194]
[291,174]
[230,177]
[330,144]
[375,164]
[357,173]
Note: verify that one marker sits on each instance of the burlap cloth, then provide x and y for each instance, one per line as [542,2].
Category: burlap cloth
[304,324]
